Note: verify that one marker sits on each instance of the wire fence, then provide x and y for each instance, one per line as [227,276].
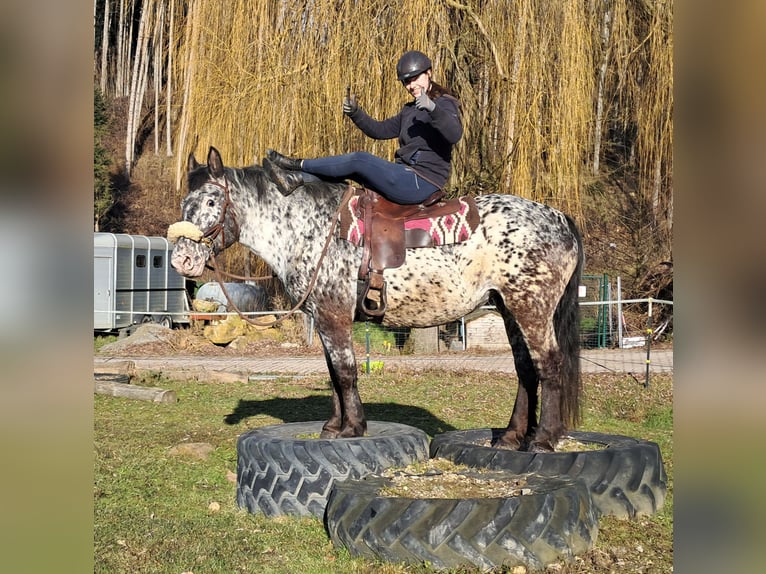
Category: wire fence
[606,321]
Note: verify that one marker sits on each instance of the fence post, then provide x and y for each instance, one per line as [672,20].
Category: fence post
[610,318]
[648,343]
[367,343]
[619,312]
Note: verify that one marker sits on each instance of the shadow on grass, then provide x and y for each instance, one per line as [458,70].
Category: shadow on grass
[317,407]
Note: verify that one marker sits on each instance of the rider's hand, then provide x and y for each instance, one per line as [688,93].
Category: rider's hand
[349,105]
[423,102]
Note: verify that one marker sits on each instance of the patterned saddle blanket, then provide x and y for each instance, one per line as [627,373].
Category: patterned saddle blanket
[441,223]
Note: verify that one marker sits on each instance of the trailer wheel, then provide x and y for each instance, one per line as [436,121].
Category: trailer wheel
[551,518]
[626,477]
[166,321]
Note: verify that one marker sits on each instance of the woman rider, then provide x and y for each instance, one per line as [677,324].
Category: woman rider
[427,127]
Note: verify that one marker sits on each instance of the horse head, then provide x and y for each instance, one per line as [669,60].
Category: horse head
[209,222]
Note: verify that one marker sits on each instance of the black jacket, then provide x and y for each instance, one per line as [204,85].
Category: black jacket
[425,138]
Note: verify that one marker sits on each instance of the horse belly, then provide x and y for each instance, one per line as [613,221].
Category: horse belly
[433,287]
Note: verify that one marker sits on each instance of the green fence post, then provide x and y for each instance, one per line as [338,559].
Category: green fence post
[367,343]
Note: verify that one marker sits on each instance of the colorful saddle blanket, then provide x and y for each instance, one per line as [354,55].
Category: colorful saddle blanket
[426,227]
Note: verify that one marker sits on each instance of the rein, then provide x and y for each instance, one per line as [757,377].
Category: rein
[213,232]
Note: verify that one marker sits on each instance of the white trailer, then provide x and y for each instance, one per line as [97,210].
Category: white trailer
[133,282]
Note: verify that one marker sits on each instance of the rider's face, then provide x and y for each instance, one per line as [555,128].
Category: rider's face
[419,83]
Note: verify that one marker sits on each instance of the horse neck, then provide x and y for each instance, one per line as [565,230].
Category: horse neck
[284,231]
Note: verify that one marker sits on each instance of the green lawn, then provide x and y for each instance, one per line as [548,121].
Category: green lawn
[156,512]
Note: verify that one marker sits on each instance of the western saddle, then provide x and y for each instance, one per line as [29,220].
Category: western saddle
[386,238]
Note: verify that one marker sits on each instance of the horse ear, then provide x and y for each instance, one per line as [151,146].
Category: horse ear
[191,163]
[214,163]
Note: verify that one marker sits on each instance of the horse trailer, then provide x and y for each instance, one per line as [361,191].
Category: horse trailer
[133,282]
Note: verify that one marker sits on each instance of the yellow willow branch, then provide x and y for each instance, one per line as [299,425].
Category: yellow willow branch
[484,32]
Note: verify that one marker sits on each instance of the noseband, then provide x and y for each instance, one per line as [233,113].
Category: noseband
[209,236]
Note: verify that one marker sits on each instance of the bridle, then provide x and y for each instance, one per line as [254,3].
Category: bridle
[218,228]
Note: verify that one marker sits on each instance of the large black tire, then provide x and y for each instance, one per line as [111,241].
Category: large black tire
[626,478]
[556,520]
[281,470]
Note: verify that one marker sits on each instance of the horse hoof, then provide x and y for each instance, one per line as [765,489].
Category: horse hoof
[507,441]
[351,432]
[540,447]
[329,433]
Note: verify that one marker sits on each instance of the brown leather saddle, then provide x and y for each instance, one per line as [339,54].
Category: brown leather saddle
[386,229]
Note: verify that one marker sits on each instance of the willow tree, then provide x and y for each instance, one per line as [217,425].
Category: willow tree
[555,94]
[272,74]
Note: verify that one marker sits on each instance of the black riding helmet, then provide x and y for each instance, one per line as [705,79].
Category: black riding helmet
[412,64]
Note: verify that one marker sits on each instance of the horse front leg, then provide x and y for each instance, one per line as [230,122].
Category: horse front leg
[331,428]
[347,418]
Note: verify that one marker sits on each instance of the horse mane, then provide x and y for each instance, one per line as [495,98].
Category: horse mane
[255,179]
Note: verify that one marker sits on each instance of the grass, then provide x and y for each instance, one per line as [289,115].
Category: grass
[100,340]
[154,511]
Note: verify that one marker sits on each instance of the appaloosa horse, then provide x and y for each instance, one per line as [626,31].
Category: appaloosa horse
[524,257]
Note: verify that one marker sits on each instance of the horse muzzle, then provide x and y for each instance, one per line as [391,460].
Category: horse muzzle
[189,257]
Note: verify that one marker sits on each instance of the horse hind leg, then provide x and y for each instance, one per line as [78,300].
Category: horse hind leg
[523,419]
[552,425]
[557,365]
[540,360]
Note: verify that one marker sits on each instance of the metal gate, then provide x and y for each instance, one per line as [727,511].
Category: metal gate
[595,314]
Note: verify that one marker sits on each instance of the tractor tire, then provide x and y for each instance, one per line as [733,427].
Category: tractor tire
[282,472]
[626,478]
[554,520]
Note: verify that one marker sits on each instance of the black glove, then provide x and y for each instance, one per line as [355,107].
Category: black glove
[349,105]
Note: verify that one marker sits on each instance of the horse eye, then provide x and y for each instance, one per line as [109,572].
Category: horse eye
[210,203]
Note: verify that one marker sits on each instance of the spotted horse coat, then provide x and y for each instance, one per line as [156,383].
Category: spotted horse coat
[524,257]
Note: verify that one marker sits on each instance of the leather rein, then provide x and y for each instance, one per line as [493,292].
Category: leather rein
[209,236]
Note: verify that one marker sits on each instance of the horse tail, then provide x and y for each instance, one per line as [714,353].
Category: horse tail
[567,325]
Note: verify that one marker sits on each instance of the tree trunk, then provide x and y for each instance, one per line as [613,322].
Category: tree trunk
[520,40]
[191,41]
[137,85]
[157,67]
[105,46]
[134,392]
[169,80]
[606,31]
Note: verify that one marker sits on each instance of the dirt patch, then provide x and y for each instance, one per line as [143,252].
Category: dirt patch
[565,444]
[156,341]
[440,478]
